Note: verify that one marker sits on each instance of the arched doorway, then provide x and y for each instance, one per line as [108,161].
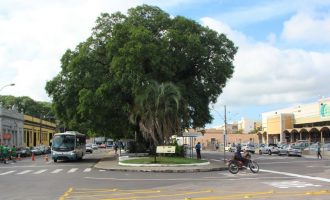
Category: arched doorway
[287,137]
[304,134]
[325,134]
[315,135]
[295,135]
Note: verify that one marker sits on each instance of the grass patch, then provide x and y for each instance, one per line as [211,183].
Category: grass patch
[163,160]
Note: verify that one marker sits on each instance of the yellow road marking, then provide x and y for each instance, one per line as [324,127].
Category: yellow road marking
[118,194]
[66,194]
[162,195]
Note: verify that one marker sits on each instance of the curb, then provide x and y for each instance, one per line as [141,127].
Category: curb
[113,166]
[164,170]
[163,165]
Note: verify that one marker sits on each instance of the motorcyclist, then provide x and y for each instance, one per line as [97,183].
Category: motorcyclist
[239,157]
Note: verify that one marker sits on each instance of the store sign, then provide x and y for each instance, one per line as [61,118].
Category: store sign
[6,136]
[325,108]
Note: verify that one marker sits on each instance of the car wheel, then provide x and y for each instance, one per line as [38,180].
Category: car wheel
[55,160]
[260,152]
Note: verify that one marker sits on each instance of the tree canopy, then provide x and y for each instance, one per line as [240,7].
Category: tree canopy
[103,76]
[28,106]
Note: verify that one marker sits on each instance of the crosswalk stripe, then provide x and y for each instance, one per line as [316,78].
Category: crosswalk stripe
[24,172]
[40,171]
[9,172]
[56,171]
[72,170]
[88,170]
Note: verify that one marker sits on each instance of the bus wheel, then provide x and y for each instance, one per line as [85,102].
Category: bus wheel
[55,160]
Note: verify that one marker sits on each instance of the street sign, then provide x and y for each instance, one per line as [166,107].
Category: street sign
[165,149]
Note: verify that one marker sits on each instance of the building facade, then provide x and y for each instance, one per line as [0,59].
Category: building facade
[37,131]
[11,126]
[309,122]
[213,138]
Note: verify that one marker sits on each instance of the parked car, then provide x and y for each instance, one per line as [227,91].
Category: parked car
[94,146]
[268,149]
[326,147]
[102,146]
[36,151]
[44,149]
[89,148]
[312,147]
[248,147]
[294,150]
[24,151]
[282,149]
[230,148]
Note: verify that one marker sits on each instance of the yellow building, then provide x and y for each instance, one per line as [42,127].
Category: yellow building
[37,131]
[309,122]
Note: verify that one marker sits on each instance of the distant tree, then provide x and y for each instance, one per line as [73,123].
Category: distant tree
[28,106]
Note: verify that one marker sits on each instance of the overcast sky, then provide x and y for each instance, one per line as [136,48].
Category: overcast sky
[283,57]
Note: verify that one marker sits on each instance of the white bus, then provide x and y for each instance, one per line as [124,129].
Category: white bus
[70,145]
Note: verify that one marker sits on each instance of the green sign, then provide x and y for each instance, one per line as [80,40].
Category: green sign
[325,110]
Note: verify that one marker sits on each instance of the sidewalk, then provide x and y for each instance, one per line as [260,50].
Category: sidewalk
[111,163]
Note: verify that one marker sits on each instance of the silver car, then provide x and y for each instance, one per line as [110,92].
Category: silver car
[294,150]
[282,149]
[268,149]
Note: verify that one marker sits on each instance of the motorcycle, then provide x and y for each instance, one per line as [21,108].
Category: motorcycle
[235,165]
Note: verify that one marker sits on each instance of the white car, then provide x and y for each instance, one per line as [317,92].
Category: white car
[248,147]
[89,148]
[268,149]
[94,146]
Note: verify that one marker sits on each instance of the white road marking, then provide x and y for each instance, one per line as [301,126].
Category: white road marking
[56,171]
[291,184]
[24,172]
[88,170]
[297,175]
[9,172]
[72,170]
[40,171]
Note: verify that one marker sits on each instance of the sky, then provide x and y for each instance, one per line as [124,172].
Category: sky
[283,56]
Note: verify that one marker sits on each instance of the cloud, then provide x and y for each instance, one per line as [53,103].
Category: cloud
[308,27]
[265,74]
[35,34]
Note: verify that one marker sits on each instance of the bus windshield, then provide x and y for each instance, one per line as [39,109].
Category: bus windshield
[63,142]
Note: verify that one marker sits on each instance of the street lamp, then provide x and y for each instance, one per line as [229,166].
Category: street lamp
[11,84]
[225,132]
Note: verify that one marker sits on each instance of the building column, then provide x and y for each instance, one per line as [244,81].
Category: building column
[322,139]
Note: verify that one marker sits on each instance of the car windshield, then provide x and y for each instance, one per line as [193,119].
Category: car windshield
[63,142]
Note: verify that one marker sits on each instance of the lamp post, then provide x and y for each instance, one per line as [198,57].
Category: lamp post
[224,117]
[11,84]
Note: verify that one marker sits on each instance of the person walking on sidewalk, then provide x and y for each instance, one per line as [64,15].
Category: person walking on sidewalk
[319,150]
[198,150]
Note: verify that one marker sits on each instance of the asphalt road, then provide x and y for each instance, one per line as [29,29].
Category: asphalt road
[279,178]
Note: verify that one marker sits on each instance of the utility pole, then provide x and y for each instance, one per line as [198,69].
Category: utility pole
[225,136]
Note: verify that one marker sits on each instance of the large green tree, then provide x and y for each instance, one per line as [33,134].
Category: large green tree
[100,79]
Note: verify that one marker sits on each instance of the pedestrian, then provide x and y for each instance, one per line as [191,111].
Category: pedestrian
[198,150]
[115,147]
[319,150]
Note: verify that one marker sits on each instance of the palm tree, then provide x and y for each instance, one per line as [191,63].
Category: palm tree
[156,109]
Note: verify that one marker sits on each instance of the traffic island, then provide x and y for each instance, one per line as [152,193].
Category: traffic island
[114,164]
